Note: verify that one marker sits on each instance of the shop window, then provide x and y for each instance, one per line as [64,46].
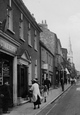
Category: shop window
[4,71]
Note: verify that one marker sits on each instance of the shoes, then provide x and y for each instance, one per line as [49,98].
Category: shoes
[45,100]
[34,107]
[38,106]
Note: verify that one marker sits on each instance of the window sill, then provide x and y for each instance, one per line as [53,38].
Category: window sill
[11,31]
[30,45]
[36,50]
[22,39]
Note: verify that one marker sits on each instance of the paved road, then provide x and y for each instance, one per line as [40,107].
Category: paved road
[67,104]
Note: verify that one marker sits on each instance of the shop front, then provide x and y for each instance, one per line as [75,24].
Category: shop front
[6,70]
[8,48]
[44,71]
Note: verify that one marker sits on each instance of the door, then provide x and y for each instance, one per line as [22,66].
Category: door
[22,81]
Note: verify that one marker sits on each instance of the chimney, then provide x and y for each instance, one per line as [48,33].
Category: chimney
[33,16]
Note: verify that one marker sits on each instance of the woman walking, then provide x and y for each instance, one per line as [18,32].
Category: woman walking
[36,94]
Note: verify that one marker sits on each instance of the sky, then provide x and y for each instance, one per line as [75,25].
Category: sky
[63,18]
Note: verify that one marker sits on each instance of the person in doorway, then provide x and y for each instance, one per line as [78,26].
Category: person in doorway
[47,83]
[6,97]
[36,94]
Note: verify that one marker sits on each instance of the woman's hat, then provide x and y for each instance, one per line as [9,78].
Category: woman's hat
[35,80]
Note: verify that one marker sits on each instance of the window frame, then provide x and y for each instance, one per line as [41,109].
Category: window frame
[35,40]
[29,35]
[21,28]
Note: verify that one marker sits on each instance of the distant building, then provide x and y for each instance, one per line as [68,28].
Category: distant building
[47,64]
[70,52]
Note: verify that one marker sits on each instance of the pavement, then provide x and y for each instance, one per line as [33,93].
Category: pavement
[27,108]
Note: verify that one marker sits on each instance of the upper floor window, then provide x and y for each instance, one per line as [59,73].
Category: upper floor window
[35,68]
[35,40]
[9,3]
[10,17]
[29,34]
[30,74]
[21,29]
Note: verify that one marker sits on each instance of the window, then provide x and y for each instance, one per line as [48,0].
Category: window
[21,29]
[35,68]
[9,3]
[29,34]
[10,17]
[30,74]
[35,40]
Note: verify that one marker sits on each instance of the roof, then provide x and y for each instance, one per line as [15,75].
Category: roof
[48,38]
[27,13]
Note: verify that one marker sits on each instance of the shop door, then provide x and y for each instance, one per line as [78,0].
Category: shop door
[22,81]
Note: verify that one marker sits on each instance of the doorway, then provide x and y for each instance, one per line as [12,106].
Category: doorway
[22,81]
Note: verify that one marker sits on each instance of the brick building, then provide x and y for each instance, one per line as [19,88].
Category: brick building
[19,47]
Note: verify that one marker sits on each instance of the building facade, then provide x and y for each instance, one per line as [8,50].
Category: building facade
[19,47]
[49,39]
[47,64]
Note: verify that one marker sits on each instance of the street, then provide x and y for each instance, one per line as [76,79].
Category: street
[67,104]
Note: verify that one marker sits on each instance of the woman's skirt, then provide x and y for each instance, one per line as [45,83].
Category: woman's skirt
[37,102]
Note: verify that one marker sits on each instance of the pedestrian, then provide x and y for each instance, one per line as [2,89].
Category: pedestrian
[62,80]
[47,83]
[45,92]
[36,94]
[6,97]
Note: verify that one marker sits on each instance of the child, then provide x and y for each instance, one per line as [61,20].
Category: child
[45,92]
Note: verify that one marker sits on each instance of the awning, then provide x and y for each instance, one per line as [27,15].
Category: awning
[67,71]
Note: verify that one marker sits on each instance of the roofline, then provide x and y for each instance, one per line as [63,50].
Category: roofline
[45,47]
[20,4]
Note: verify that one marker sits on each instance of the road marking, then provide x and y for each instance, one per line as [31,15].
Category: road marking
[50,109]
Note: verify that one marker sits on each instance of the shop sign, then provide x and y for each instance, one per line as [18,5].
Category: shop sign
[45,66]
[7,46]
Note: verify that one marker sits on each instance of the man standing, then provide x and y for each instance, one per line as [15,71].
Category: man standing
[6,97]
[47,83]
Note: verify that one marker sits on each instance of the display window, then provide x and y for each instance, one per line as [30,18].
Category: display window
[4,71]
